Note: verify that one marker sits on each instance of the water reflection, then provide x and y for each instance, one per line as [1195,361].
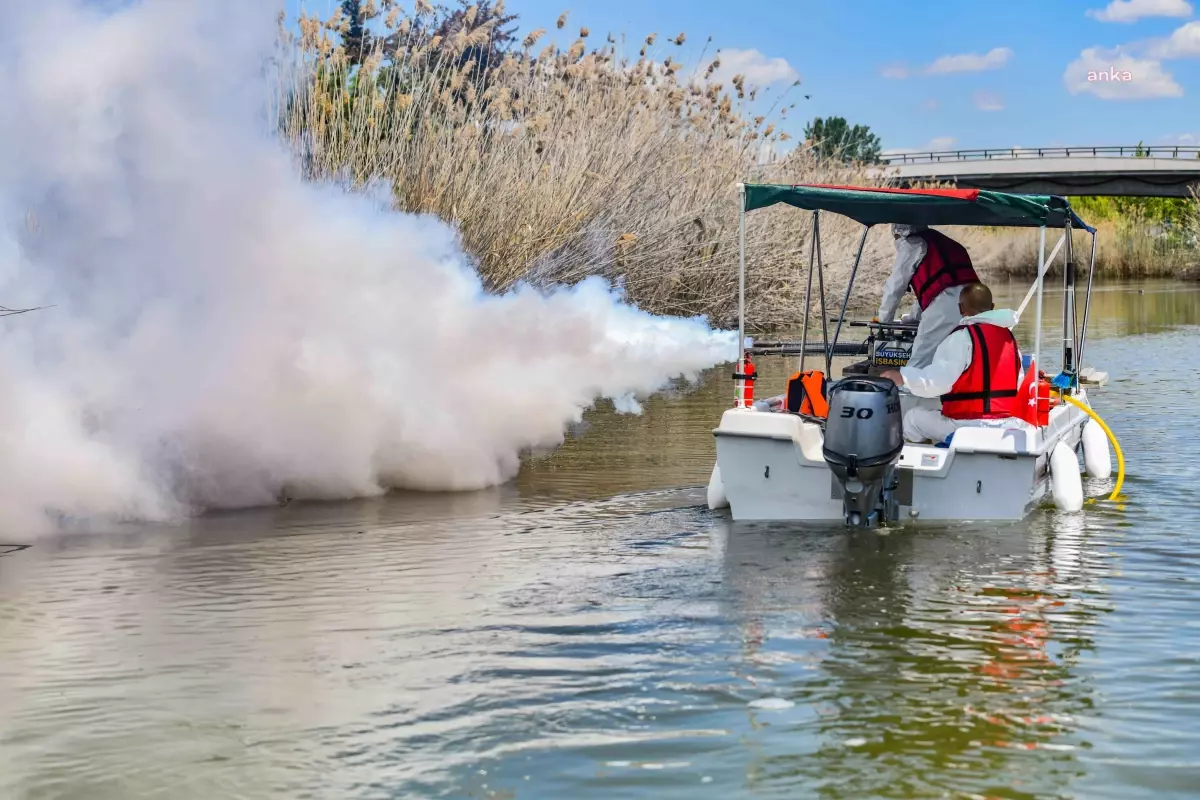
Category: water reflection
[948,659]
[1128,309]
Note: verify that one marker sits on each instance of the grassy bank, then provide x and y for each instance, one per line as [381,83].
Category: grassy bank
[610,159]
[1136,238]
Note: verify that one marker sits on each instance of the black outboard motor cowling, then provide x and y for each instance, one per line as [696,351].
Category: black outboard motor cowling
[863,439]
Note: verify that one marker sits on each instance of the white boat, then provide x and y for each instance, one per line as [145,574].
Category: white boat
[776,463]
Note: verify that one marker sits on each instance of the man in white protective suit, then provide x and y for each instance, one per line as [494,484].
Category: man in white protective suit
[936,268]
[976,371]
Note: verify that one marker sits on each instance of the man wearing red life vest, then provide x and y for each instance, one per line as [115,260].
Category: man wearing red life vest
[936,268]
[976,371]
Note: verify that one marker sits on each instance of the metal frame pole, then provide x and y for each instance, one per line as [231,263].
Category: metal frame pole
[812,251]
[821,284]
[862,242]
[1033,287]
[742,268]
[1037,323]
[1075,316]
[1087,301]
[1068,355]
[741,290]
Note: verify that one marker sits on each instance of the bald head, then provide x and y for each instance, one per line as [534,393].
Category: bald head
[975,299]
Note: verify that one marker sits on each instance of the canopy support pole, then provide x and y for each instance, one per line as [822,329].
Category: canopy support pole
[741,269]
[1037,322]
[1043,266]
[862,242]
[812,251]
[1068,355]
[740,382]
[1087,300]
[821,284]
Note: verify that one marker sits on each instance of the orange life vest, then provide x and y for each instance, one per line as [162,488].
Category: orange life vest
[806,394]
[988,387]
[946,264]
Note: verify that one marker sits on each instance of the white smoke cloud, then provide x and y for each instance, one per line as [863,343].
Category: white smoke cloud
[223,331]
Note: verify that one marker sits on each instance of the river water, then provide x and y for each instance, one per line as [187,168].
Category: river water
[591,630]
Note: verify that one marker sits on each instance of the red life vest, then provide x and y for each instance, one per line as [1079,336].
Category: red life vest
[988,387]
[946,264]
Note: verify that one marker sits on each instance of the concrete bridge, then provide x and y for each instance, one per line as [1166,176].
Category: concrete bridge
[1123,171]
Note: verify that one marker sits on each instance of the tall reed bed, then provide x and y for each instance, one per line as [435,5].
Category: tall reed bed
[612,159]
[1132,241]
[559,164]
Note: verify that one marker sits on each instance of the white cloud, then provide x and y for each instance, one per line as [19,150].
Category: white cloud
[1136,78]
[938,143]
[970,62]
[756,67]
[988,101]
[1133,10]
[1181,139]
[995,58]
[1184,42]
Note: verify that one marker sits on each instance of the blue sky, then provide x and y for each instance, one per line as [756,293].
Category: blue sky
[935,73]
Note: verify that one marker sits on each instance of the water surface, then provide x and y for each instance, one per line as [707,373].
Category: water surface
[591,630]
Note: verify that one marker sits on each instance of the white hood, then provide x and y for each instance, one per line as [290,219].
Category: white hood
[904,231]
[953,357]
[1004,317]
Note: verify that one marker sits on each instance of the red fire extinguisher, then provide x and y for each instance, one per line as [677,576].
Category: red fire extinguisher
[745,383]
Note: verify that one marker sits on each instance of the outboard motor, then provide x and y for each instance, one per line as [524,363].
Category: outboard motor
[863,440]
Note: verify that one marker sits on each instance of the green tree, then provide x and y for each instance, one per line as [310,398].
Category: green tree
[356,39]
[488,37]
[834,138]
[1170,212]
[484,51]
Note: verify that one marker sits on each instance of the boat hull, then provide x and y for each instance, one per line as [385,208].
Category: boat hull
[771,468]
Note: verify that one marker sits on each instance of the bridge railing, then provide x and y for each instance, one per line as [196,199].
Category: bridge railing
[1134,151]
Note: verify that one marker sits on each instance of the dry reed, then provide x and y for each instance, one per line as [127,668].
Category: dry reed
[559,165]
[1129,247]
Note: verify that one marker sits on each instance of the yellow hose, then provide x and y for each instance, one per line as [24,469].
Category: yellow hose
[1111,438]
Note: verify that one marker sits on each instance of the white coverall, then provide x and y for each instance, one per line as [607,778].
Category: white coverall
[939,319]
[951,360]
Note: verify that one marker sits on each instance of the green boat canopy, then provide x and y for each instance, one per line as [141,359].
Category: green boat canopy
[876,206]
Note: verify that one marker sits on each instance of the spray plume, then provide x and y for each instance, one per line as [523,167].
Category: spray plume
[222,331]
